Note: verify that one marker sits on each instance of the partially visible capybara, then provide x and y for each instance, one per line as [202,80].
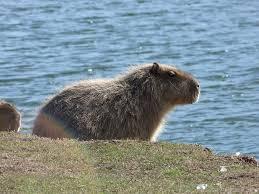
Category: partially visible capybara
[131,106]
[10,118]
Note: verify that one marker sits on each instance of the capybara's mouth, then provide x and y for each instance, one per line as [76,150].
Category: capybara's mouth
[191,99]
[196,96]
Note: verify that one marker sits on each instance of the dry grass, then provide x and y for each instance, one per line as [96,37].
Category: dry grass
[30,164]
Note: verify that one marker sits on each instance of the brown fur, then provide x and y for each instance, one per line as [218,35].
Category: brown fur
[10,119]
[130,106]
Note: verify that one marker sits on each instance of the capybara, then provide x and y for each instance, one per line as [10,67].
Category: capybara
[130,106]
[10,118]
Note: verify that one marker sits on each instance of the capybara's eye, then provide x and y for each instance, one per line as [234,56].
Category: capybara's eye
[171,74]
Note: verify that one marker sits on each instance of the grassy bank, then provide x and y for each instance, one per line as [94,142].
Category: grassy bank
[31,164]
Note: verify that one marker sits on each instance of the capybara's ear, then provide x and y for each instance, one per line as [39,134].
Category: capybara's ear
[155,68]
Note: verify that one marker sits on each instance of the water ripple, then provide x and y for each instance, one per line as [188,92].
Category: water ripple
[45,45]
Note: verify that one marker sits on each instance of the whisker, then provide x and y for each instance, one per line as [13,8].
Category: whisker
[177,89]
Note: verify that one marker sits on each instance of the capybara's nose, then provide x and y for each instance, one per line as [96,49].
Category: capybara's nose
[195,84]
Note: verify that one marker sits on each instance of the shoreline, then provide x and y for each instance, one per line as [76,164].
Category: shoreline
[32,164]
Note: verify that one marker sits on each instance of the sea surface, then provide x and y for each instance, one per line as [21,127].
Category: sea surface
[45,45]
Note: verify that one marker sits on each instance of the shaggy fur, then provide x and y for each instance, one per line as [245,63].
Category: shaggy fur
[10,118]
[130,106]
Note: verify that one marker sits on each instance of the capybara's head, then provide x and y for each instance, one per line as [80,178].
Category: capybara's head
[10,119]
[177,87]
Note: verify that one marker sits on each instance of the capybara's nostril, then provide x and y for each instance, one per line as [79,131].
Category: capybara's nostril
[195,84]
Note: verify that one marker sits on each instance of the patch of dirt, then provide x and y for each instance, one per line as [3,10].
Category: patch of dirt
[10,163]
[13,164]
[243,176]
[248,159]
[243,159]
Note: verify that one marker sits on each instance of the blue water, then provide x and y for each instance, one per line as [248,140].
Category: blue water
[45,45]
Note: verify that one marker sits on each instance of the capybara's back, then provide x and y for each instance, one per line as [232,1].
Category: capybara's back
[128,107]
[10,119]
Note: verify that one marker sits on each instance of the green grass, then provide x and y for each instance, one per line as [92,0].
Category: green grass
[30,164]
